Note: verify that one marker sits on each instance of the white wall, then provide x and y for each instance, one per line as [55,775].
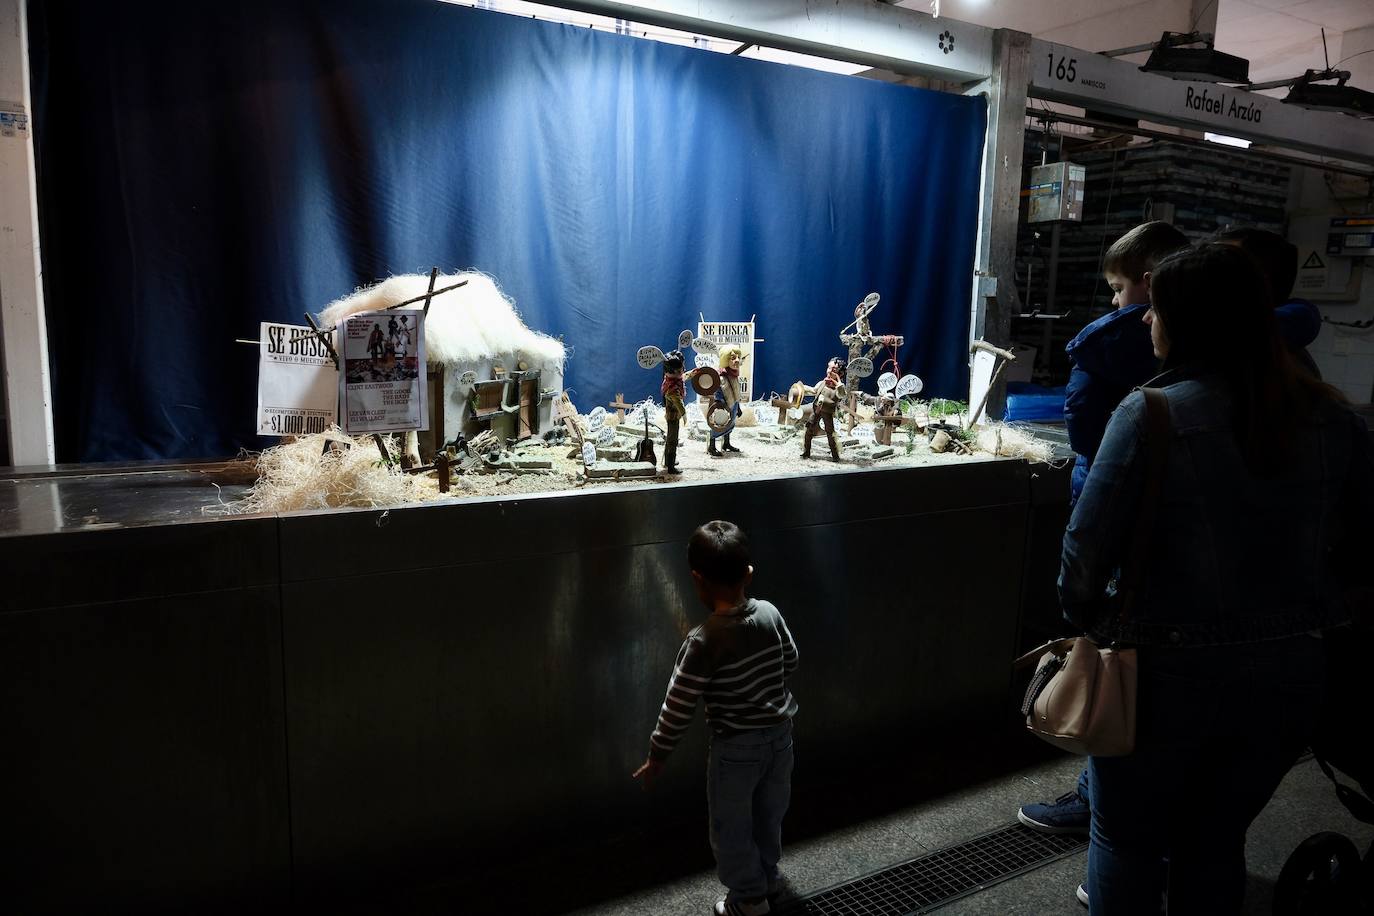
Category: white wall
[1344,355]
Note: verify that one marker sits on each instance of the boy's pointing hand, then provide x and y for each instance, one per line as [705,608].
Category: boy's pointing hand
[648,771]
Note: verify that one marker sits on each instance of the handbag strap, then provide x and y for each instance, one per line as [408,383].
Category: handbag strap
[1157,432]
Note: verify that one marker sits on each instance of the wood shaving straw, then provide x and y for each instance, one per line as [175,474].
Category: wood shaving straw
[302,475]
[1009,442]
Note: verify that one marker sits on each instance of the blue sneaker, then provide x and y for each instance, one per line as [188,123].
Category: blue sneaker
[1068,813]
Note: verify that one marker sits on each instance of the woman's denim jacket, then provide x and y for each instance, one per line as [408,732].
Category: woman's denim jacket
[1232,558]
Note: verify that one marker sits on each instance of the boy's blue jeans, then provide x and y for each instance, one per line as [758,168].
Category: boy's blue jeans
[1217,729]
[748,786]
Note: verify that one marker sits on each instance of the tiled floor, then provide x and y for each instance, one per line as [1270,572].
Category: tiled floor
[1304,804]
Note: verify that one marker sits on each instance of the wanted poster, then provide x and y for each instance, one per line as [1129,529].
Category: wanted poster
[382,384]
[732,334]
[298,387]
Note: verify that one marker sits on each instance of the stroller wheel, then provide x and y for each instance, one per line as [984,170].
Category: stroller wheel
[1320,878]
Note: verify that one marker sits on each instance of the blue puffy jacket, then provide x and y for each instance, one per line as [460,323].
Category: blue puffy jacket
[1299,324]
[1110,357]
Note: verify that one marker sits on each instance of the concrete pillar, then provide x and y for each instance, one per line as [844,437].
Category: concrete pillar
[28,395]
[995,299]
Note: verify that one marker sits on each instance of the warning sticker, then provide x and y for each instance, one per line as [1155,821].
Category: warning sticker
[14,124]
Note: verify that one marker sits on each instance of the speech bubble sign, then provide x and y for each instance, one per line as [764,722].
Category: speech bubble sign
[596,418]
[684,340]
[649,357]
[467,378]
[861,367]
[702,345]
[909,385]
[588,454]
[886,382]
[704,360]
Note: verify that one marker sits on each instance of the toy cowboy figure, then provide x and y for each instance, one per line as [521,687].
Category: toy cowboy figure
[727,399]
[674,390]
[829,392]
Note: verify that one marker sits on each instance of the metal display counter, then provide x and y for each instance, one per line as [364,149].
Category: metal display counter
[446,680]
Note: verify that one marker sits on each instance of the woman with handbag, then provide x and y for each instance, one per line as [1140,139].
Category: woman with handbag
[1267,477]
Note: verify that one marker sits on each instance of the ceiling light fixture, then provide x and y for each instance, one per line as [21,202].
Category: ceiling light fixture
[1192,56]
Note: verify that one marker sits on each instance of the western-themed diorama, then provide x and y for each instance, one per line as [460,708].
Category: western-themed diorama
[498,420]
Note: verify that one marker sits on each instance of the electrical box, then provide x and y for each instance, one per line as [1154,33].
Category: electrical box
[1350,236]
[1056,192]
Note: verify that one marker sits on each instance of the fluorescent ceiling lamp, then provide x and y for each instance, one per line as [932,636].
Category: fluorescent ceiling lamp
[1225,140]
[779,56]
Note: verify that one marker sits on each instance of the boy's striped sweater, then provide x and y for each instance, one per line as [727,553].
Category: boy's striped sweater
[737,661]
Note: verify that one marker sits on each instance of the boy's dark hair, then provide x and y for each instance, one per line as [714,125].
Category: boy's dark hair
[842,369]
[1140,249]
[672,361]
[1276,257]
[719,551]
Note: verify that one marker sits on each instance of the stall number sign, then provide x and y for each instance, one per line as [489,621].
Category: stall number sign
[298,386]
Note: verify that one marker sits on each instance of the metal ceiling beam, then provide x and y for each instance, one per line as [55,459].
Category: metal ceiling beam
[859,31]
[1052,117]
[1060,73]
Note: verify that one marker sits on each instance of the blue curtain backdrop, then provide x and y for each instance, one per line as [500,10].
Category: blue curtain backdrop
[204,167]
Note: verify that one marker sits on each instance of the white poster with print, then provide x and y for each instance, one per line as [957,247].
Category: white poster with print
[733,334]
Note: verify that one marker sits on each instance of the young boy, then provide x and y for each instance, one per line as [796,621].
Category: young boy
[737,660]
[1113,355]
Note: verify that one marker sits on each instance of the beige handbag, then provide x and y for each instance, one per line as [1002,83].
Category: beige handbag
[1082,697]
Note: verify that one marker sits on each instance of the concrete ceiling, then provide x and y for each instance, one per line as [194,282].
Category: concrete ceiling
[1282,38]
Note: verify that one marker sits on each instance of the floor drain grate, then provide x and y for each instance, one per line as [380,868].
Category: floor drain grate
[931,881]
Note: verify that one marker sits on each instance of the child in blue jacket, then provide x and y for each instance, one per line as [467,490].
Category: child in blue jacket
[1113,355]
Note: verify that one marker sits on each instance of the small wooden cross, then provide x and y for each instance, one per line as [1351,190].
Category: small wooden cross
[619,406]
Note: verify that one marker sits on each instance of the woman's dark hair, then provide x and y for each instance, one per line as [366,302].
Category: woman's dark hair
[1217,314]
[672,361]
[719,551]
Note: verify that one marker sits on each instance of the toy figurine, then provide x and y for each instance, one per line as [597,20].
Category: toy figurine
[887,407]
[829,392]
[705,381]
[726,398]
[674,407]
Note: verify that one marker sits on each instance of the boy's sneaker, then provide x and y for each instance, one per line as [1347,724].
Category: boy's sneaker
[742,907]
[1082,895]
[1066,814]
